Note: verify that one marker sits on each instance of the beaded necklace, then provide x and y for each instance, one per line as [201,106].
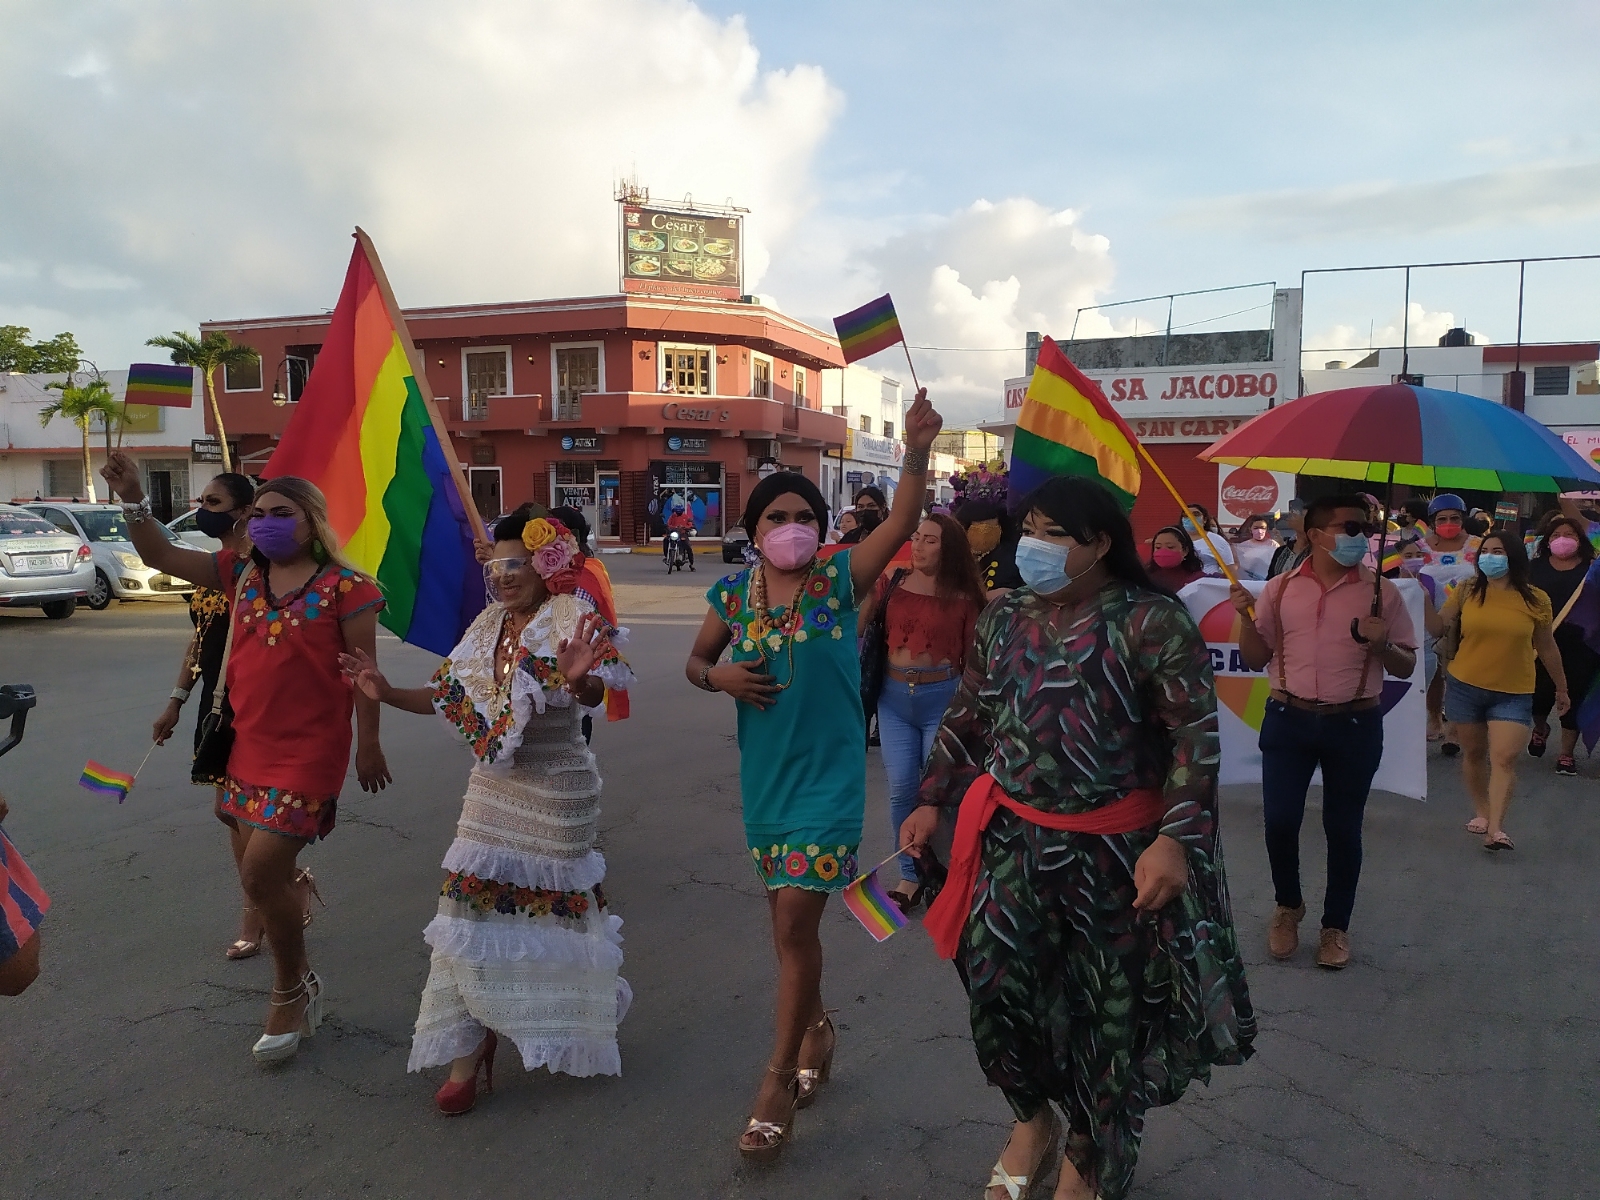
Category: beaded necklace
[765,626]
[505,653]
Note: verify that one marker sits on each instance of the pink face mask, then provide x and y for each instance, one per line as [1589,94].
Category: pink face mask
[1563,547]
[790,547]
[1166,557]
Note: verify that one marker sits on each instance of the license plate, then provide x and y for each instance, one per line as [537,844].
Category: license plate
[39,564]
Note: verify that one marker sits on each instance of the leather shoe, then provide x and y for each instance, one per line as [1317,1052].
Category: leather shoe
[1283,931]
[1333,951]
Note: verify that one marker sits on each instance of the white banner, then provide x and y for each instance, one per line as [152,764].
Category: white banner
[1242,695]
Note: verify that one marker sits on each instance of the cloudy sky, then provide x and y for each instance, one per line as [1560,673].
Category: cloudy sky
[996,166]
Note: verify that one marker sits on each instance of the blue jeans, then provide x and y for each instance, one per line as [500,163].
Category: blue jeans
[908,719]
[1348,747]
[1466,704]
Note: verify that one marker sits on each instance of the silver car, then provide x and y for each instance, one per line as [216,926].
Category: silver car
[188,530]
[41,566]
[119,572]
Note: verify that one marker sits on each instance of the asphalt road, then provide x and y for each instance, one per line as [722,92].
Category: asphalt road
[1454,1059]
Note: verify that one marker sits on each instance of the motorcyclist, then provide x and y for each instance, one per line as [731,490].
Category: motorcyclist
[683,522]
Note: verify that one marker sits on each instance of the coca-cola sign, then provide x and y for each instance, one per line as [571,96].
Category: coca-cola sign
[1244,491]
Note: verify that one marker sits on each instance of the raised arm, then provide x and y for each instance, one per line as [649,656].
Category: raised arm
[175,558]
[868,559]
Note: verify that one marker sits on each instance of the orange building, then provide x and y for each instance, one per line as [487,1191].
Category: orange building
[624,405]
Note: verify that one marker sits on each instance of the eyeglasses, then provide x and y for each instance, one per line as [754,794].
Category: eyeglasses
[504,568]
[1351,528]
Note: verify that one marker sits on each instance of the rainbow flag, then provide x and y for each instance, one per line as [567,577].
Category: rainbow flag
[1068,427]
[870,904]
[160,383]
[363,433]
[102,779]
[868,329]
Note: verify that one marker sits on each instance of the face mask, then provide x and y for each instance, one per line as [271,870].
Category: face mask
[213,523]
[1043,566]
[1493,565]
[1258,534]
[1166,557]
[1188,526]
[1349,549]
[274,537]
[790,547]
[983,536]
[1412,566]
[1563,547]
[1448,530]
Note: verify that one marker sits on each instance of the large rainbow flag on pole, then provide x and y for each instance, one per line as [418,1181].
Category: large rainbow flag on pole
[1068,427]
[366,431]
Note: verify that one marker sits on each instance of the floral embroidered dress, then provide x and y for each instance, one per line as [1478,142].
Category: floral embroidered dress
[523,942]
[291,707]
[1075,997]
[803,760]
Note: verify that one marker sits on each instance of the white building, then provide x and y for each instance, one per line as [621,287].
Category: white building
[872,403]
[46,461]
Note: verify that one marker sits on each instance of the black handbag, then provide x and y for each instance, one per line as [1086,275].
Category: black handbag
[875,648]
[210,764]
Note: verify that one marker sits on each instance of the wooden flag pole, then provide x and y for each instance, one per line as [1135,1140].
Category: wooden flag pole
[1184,508]
[916,387]
[419,369]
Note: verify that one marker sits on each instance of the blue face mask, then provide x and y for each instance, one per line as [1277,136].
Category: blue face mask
[1042,565]
[1349,549]
[1189,527]
[1493,565]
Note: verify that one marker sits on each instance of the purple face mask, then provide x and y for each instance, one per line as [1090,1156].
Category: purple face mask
[274,537]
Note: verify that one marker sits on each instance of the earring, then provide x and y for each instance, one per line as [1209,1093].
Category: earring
[318,551]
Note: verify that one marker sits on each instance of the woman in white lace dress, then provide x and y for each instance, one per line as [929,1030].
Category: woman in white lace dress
[524,947]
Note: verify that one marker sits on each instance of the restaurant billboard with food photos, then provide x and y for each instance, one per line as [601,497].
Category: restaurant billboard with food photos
[679,252]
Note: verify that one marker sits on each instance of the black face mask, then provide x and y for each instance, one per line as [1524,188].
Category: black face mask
[213,523]
[1476,526]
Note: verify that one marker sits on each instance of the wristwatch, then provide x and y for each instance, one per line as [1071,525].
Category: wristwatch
[705,681]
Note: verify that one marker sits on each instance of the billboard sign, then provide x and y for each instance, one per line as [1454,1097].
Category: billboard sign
[679,252]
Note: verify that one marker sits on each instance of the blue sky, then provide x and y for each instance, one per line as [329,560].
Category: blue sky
[995,166]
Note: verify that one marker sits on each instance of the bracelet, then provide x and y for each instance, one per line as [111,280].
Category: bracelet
[137,514]
[180,694]
[915,461]
[705,684]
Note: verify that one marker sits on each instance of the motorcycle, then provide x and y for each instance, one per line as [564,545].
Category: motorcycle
[676,552]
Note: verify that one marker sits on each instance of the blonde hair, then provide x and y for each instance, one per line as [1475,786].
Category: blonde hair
[315,505]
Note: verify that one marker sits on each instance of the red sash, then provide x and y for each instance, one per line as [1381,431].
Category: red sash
[947,916]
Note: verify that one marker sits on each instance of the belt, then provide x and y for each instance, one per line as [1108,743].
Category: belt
[916,675]
[946,917]
[1326,710]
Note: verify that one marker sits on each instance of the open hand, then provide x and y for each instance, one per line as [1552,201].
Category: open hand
[372,769]
[747,681]
[576,656]
[922,422]
[361,672]
[1160,875]
[122,477]
[166,722]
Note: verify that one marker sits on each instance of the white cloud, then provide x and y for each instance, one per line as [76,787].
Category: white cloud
[217,156]
[1424,328]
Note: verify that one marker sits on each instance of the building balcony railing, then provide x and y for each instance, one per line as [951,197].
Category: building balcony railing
[492,413]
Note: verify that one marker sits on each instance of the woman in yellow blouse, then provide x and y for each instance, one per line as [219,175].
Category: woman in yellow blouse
[1505,623]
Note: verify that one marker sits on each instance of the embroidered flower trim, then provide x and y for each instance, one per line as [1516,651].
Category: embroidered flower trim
[510,899]
[805,866]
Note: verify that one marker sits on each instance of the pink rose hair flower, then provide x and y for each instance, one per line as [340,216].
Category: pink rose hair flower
[550,558]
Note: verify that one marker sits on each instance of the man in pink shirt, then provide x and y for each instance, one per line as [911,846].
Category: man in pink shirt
[1327,656]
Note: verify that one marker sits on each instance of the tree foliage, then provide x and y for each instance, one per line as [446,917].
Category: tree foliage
[54,356]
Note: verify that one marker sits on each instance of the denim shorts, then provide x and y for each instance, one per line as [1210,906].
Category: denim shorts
[1468,705]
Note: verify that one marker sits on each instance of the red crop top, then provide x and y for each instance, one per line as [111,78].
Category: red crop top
[942,629]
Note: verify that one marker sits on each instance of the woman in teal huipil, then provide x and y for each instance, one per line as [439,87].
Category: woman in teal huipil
[790,621]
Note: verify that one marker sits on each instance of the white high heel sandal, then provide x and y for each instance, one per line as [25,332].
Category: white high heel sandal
[276,1047]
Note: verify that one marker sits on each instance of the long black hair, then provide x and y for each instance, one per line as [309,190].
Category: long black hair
[1085,510]
[783,483]
[239,488]
[1516,562]
[1191,560]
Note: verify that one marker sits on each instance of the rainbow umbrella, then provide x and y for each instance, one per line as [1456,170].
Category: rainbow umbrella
[1419,436]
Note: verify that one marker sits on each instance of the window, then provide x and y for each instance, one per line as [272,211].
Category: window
[16,523]
[577,371]
[245,377]
[63,477]
[761,377]
[686,370]
[888,430]
[487,373]
[800,387]
[575,472]
[866,423]
[1552,381]
[298,361]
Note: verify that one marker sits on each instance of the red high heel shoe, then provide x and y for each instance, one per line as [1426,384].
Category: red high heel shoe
[454,1099]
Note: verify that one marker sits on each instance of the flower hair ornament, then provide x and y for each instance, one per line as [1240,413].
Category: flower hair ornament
[551,545]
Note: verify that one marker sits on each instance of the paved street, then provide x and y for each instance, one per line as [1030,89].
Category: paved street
[1454,1059]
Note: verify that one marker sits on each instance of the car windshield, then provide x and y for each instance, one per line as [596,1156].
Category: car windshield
[21,524]
[108,525]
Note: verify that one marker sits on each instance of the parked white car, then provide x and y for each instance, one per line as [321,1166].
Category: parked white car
[188,531]
[119,572]
[41,566]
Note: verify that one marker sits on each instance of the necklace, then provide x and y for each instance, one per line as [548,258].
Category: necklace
[505,653]
[766,627]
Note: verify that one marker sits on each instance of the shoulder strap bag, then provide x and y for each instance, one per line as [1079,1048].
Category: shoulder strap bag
[216,727]
[875,648]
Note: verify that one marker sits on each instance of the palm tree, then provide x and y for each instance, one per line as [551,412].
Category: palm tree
[206,354]
[78,404]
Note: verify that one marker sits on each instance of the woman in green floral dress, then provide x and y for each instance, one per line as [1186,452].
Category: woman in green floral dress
[790,622]
[1100,961]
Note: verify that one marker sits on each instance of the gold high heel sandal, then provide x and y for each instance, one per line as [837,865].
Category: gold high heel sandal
[773,1134]
[244,947]
[809,1080]
[305,879]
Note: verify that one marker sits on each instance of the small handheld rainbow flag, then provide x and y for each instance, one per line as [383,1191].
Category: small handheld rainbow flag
[868,329]
[103,779]
[160,383]
[870,904]
[1068,427]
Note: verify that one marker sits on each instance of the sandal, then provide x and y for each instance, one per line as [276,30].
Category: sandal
[1538,740]
[1450,749]
[1499,841]
[244,947]
[809,1080]
[1478,825]
[772,1135]
[304,878]
[1024,1187]
[906,901]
